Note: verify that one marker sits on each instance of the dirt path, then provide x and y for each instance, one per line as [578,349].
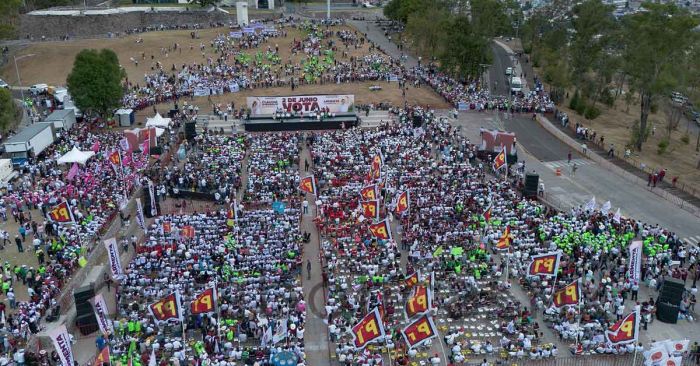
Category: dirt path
[316,343]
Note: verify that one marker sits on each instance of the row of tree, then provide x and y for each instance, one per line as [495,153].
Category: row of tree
[456,34]
[643,56]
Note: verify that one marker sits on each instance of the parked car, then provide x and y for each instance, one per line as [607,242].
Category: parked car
[3,84]
[509,71]
[37,89]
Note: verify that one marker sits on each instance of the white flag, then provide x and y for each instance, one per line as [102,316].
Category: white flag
[61,340]
[281,331]
[139,215]
[605,208]
[113,254]
[590,206]
[266,337]
[152,358]
[617,216]
[102,314]
[152,193]
[635,262]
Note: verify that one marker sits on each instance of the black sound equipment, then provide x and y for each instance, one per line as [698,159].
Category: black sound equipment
[667,313]
[417,121]
[156,150]
[532,181]
[190,130]
[87,323]
[172,113]
[84,294]
[669,300]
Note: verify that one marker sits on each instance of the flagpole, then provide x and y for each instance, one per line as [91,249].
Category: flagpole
[218,310]
[123,176]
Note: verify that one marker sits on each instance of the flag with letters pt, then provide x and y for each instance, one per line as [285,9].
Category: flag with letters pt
[167,308]
[370,209]
[204,303]
[419,302]
[61,213]
[368,330]
[102,357]
[308,184]
[504,241]
[381,229]
[419,331]
[188,231]
[411,280]
[402,203]
[500,160]
[369,193]
[625,330]
[569,295]
[544,264]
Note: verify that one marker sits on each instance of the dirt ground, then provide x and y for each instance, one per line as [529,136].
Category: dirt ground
[52,61]
[680,159]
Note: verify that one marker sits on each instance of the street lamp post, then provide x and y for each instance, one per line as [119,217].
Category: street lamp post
[19,81]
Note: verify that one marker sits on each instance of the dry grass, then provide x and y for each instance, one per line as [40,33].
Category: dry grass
[615,124]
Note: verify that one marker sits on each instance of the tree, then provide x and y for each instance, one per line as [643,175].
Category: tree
[489,18]
[592,25]
[9,16]
[428,29]
[8,110]
[655,42]
[95,81]
[400,10]
[466,52]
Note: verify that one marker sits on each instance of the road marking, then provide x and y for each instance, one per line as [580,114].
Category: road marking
[692,240]
[565,163]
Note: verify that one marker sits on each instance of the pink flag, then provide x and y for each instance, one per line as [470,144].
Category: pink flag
[73,172]
[145,147]
[96,147]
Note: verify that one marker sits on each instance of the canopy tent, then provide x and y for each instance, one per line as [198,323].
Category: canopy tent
[158,121]
[76,156]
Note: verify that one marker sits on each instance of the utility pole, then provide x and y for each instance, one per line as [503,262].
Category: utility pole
[328,9]
[19,81]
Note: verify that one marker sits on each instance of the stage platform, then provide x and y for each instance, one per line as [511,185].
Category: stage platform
[267,123]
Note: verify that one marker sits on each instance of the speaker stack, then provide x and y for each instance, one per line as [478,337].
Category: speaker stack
[190,130]
[85,318]
[669,301]
[532,180]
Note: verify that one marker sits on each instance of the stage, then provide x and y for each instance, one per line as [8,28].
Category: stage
[261,123]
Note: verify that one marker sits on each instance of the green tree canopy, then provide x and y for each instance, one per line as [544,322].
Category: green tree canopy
[655,43]
[95,81]
[9,16]
[8,110]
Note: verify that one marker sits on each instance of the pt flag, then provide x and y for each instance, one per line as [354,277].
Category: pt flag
[308,184]
[204,303]
[102,314]
[419,302]
[544,264]
[504,242]
[418,332]
[369,193]
[402,203]
[115,263]
[369,329]
[381,229]
[625,330]
[634,271]
[569,295]
[500,160]
[370,209]
[411,280]
[167,308]
[61,213]
[61,340]
[188,231]
[102,357]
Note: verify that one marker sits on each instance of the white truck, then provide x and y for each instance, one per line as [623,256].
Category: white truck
[516,85]
[30,141]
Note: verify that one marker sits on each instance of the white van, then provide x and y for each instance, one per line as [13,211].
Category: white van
[516,85]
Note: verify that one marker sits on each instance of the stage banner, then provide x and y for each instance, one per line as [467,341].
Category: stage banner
[61,340]
[113,255]
[301,103]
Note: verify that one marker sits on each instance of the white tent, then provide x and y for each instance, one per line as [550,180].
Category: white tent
[158,121]
[76,156]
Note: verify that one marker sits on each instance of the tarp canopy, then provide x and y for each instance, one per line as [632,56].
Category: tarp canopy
[76,156]
[158,121]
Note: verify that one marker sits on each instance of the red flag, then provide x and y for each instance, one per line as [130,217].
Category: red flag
[544,264]
[167,227]
[96,147]
[402,203]
[204,303]
[102,357]
[419,302]
[188,231]
[146,147]
[500,160]
[421,330]
[167,308]
[369,329]
[381,229]
[308,184]
[569,295]
[411,280]
[369,193]
[625,330]
[370,209]
[487,213]
[504,241]
[61,213]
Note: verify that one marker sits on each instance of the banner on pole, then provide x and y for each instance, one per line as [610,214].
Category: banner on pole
[61,340]
[115,263]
